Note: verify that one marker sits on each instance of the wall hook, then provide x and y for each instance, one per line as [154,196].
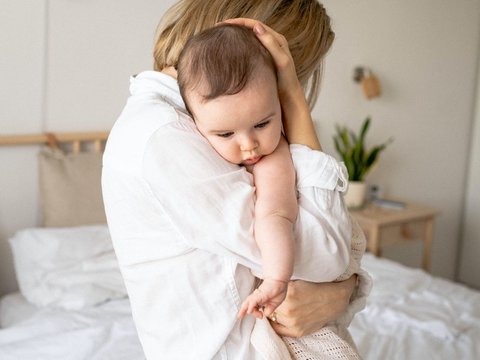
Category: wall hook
[370,83]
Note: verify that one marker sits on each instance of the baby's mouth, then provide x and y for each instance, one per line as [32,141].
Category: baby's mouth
[252,160]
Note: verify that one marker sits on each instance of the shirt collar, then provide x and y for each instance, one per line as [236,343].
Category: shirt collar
[158,84]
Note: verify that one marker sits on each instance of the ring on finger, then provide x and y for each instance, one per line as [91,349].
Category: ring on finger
[273,317]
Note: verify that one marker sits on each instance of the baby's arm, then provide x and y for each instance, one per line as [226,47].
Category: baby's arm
[276,210]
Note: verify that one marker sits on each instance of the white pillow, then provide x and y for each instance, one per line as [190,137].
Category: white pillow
[71,268]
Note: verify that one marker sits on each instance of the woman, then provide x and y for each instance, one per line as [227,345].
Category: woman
[181,217]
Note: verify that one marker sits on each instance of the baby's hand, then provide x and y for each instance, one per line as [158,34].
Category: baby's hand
[265,299]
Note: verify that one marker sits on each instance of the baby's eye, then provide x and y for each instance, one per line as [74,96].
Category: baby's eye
[262,125]
[226,134]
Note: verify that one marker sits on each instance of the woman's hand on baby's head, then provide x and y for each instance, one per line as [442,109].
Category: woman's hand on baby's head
[277,45]
[274,42]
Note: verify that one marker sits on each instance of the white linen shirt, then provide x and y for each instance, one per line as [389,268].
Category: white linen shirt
[181,221]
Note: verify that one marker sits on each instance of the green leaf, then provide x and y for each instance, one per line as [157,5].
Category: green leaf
[358,153]
[363,131]
[344,137]
[349,164]
[372,157]
[353,136]
[351,147]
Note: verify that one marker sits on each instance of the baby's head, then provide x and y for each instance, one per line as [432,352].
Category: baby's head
[228,82]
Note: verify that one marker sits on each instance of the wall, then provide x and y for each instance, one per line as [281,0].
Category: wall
[21,91]
[425,54]
[94,47]
[67,69]
[469,268]
[69,62]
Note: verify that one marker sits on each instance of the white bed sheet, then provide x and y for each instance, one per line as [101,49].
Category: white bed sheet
[410,315]
[99,332]
[14,308]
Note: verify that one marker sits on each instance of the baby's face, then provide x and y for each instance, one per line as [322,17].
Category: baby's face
[245,126]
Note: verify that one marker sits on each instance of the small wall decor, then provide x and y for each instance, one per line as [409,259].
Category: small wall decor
[370,83]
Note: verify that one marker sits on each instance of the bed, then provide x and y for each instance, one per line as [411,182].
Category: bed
[72,304]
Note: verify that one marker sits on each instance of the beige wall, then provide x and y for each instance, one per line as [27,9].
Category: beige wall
[469,266]
[425,54]
[67,68]
[94,47]
[69,62]
[22,38]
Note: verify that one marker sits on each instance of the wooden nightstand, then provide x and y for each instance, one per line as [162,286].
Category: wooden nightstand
[376,221]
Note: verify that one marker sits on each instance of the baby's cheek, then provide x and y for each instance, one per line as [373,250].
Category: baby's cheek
[278,137]
[216,146]
[228,153]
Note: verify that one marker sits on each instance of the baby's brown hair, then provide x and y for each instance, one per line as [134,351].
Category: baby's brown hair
[221,61]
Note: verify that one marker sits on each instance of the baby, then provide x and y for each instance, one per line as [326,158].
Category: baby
[236,108]
[233,98]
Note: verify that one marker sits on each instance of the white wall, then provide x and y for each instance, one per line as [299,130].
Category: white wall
[67,68]
[469,266]
[425,54]
[69,62]
[22,37]
[93,49]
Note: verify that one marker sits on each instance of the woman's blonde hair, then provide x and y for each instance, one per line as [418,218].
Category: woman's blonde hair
[304,23]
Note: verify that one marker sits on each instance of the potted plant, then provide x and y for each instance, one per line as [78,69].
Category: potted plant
[358,160]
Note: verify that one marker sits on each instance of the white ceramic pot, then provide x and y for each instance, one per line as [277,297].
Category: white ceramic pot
[356,194]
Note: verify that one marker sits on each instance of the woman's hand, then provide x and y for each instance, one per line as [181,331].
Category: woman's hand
[297,120]
[309,306]
[277,45]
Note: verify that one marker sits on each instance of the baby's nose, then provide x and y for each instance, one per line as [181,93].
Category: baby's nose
[248,144]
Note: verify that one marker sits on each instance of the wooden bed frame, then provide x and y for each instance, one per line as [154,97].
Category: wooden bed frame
[54,140]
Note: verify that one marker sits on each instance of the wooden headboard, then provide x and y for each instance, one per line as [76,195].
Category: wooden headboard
[75,139]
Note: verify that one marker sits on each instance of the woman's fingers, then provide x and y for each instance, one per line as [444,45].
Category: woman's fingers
[269,37]
[258,26]
[285,331]
[278,48]
[275,43]
[283,326]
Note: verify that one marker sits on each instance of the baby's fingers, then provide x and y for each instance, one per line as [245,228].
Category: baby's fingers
[248,307]
[243,310]
[254,301]
[257,313]
[251,306]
